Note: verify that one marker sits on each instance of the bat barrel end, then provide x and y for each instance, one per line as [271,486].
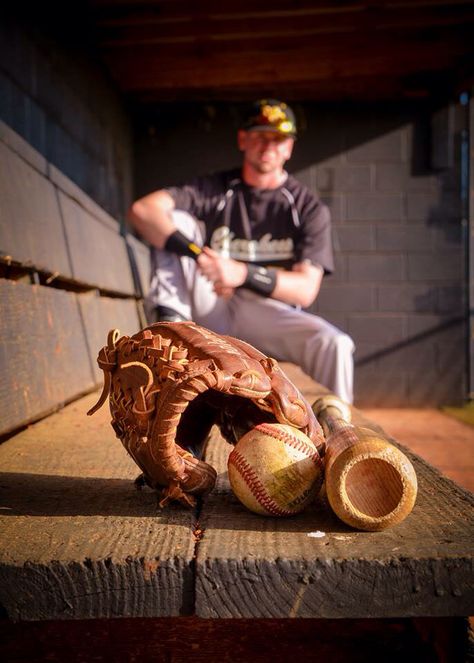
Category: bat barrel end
[371,486]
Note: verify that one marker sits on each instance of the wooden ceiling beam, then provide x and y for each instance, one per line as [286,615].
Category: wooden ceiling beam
[170,49]
[252,7]
[433,45]
[208,29]
[142,69]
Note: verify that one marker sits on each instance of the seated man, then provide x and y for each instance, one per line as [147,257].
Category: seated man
[242,251]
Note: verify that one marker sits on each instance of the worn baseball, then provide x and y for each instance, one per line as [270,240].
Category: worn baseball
[275,470]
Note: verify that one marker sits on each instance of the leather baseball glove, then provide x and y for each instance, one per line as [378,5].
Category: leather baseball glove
[171,382]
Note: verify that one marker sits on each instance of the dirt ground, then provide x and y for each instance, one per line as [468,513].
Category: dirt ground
[439,438]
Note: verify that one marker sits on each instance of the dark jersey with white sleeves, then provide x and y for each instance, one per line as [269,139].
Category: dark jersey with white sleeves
[271,227]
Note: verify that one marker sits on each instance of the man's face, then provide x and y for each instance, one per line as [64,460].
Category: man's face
[265,151]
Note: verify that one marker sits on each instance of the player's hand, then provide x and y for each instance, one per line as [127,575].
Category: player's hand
[224,273]
[224,291]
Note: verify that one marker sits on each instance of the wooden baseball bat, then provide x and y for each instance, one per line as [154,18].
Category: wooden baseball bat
[370,483]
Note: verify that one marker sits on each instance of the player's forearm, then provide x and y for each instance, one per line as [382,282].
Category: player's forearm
[298,289]
[151,216]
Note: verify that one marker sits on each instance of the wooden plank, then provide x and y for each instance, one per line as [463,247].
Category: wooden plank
[31,229]
[101,314]
[78,540]
[43,354]
[71,189]
[312,565]
[139,255]
[248,62]
[98,252]
[149,28]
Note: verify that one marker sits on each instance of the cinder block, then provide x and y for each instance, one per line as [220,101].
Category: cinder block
[375,268]
[355,237]
[448,180]
[439,328]
[448,237]
[340,274]
[409,358]
[59,145]
[35,125]
[336,206]
[388,329]
[346,298]
[337,160]
[435,266]
[437,207]
[386,147]
[397,177]
[420,205]
[433,389]
[407,297]
[390,176]
[340,270]
[366,356]
[306,176]
[449,354]
[451,299]
[383,390]
[375,207]
[343,178]
[22,148]
[99,136]
[443,121]
[404,237]
[12,105]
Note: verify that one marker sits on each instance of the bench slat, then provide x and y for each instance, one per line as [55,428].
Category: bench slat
[98,252]
[44,360]
[78,540]
[31,230]
[313,565]
[140,258]
[49,223]
[101,314]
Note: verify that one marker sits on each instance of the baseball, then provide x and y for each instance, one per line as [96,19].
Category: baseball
[275,470]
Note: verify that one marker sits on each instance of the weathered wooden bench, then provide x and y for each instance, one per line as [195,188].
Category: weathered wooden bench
[80,545]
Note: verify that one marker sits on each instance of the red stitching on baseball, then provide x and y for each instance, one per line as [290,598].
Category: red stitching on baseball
[285,437]
[256,487]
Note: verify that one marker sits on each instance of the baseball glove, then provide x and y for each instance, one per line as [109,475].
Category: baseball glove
[171,382]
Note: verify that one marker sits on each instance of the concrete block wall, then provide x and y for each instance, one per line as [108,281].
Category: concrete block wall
[398,288]
[56,96]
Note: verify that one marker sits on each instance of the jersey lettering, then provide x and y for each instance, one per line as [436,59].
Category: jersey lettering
[224,241]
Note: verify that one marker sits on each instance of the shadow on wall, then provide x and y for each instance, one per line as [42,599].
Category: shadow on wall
[176,141]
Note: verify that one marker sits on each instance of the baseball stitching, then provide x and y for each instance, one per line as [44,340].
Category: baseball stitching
[296,443]
[256,487]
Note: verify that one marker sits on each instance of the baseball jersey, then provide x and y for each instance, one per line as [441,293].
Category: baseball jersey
[269,227]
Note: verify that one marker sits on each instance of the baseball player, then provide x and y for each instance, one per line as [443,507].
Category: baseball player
[242,252]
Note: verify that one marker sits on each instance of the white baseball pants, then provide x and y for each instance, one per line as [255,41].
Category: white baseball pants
[322,351]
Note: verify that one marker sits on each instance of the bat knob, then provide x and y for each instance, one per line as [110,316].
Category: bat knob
[323,403]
